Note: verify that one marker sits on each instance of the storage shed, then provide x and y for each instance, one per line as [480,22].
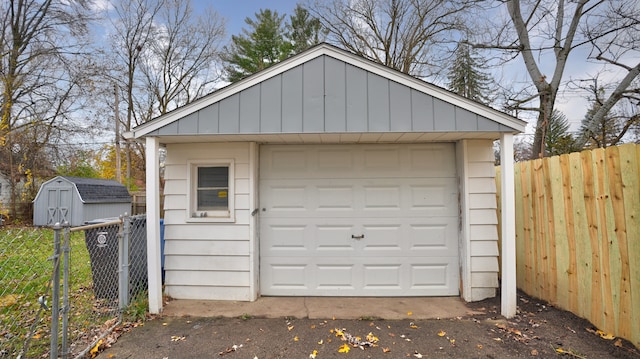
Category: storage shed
[330,175]
[77,200]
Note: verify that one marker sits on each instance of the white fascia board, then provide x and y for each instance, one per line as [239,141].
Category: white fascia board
[339,54]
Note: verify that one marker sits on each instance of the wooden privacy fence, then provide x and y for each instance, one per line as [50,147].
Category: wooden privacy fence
[578,235]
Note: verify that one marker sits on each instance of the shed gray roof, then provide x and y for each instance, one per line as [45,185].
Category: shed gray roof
[326,90]
[94,190]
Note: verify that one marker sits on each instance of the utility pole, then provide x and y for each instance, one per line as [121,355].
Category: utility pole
[118,160]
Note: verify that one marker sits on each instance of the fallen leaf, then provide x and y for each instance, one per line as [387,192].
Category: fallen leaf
[165,324]
[321,342]
[176,338]
[372,338]
[618,343]
[607,336]
[295,339]
[344,348]
[534,352]
[560,350]
[413,326]
[409,314]
[313,354]
[386,350]
[417,355]
[452,341]
[8,300]
[94,351]
[290,328]
[442,333]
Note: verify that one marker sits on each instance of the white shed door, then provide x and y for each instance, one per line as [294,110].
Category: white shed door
[358,220]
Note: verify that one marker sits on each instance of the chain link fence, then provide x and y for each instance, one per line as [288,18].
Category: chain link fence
[25,276]
[96,275]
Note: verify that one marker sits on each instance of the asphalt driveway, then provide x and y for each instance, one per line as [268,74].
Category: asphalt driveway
[539,330]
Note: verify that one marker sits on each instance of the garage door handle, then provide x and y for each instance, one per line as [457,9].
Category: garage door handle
[357,237]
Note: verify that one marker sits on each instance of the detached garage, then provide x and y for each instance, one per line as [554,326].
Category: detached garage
[329,175]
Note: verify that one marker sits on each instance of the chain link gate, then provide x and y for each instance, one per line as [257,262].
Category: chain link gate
[103,268]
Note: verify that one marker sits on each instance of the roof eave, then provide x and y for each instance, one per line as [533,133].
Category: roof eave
[339,54]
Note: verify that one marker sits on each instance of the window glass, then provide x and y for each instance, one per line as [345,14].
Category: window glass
[213,188]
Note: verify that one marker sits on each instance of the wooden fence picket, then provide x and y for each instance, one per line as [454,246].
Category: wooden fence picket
[578,235]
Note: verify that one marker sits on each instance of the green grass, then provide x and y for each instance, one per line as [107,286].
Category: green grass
[25,271]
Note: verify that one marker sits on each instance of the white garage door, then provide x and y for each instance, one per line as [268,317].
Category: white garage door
[358,220]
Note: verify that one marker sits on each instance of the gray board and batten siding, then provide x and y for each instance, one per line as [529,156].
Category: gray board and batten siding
[327,95]
[77,200]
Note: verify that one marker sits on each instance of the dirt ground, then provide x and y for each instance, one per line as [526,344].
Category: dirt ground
[539,330]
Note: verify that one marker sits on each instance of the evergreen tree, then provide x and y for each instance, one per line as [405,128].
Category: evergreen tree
[303,30]
[608,130]
[466,77]
[263,44]
[558,139]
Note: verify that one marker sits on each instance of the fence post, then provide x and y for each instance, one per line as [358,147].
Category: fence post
[123,259]
[55,295]
[66,249]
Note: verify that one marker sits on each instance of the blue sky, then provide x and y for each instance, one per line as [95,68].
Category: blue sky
[235,11]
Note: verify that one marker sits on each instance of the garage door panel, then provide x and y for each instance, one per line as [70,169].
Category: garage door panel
[435,196]
[354,220]
[379,237]
[336,277]
[382,276]
[360,161]
[288,276]
[334,236]
[438,160]
[375,276]
[289,237]
[337,197]
[333,239]
[337,160]
[425,197]
[432,238]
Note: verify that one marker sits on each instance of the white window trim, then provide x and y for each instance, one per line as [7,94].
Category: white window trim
[211,216]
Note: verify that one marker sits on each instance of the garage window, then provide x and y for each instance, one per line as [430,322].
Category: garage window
[211,195]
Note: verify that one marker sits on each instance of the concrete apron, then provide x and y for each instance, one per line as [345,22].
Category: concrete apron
[324,308]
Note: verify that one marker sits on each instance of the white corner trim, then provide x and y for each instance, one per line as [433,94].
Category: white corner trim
[254,248]
[464,235]
[509,285]
[154,270]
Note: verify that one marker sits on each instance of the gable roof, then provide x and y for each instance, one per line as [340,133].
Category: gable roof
[329,90]
[94,190]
